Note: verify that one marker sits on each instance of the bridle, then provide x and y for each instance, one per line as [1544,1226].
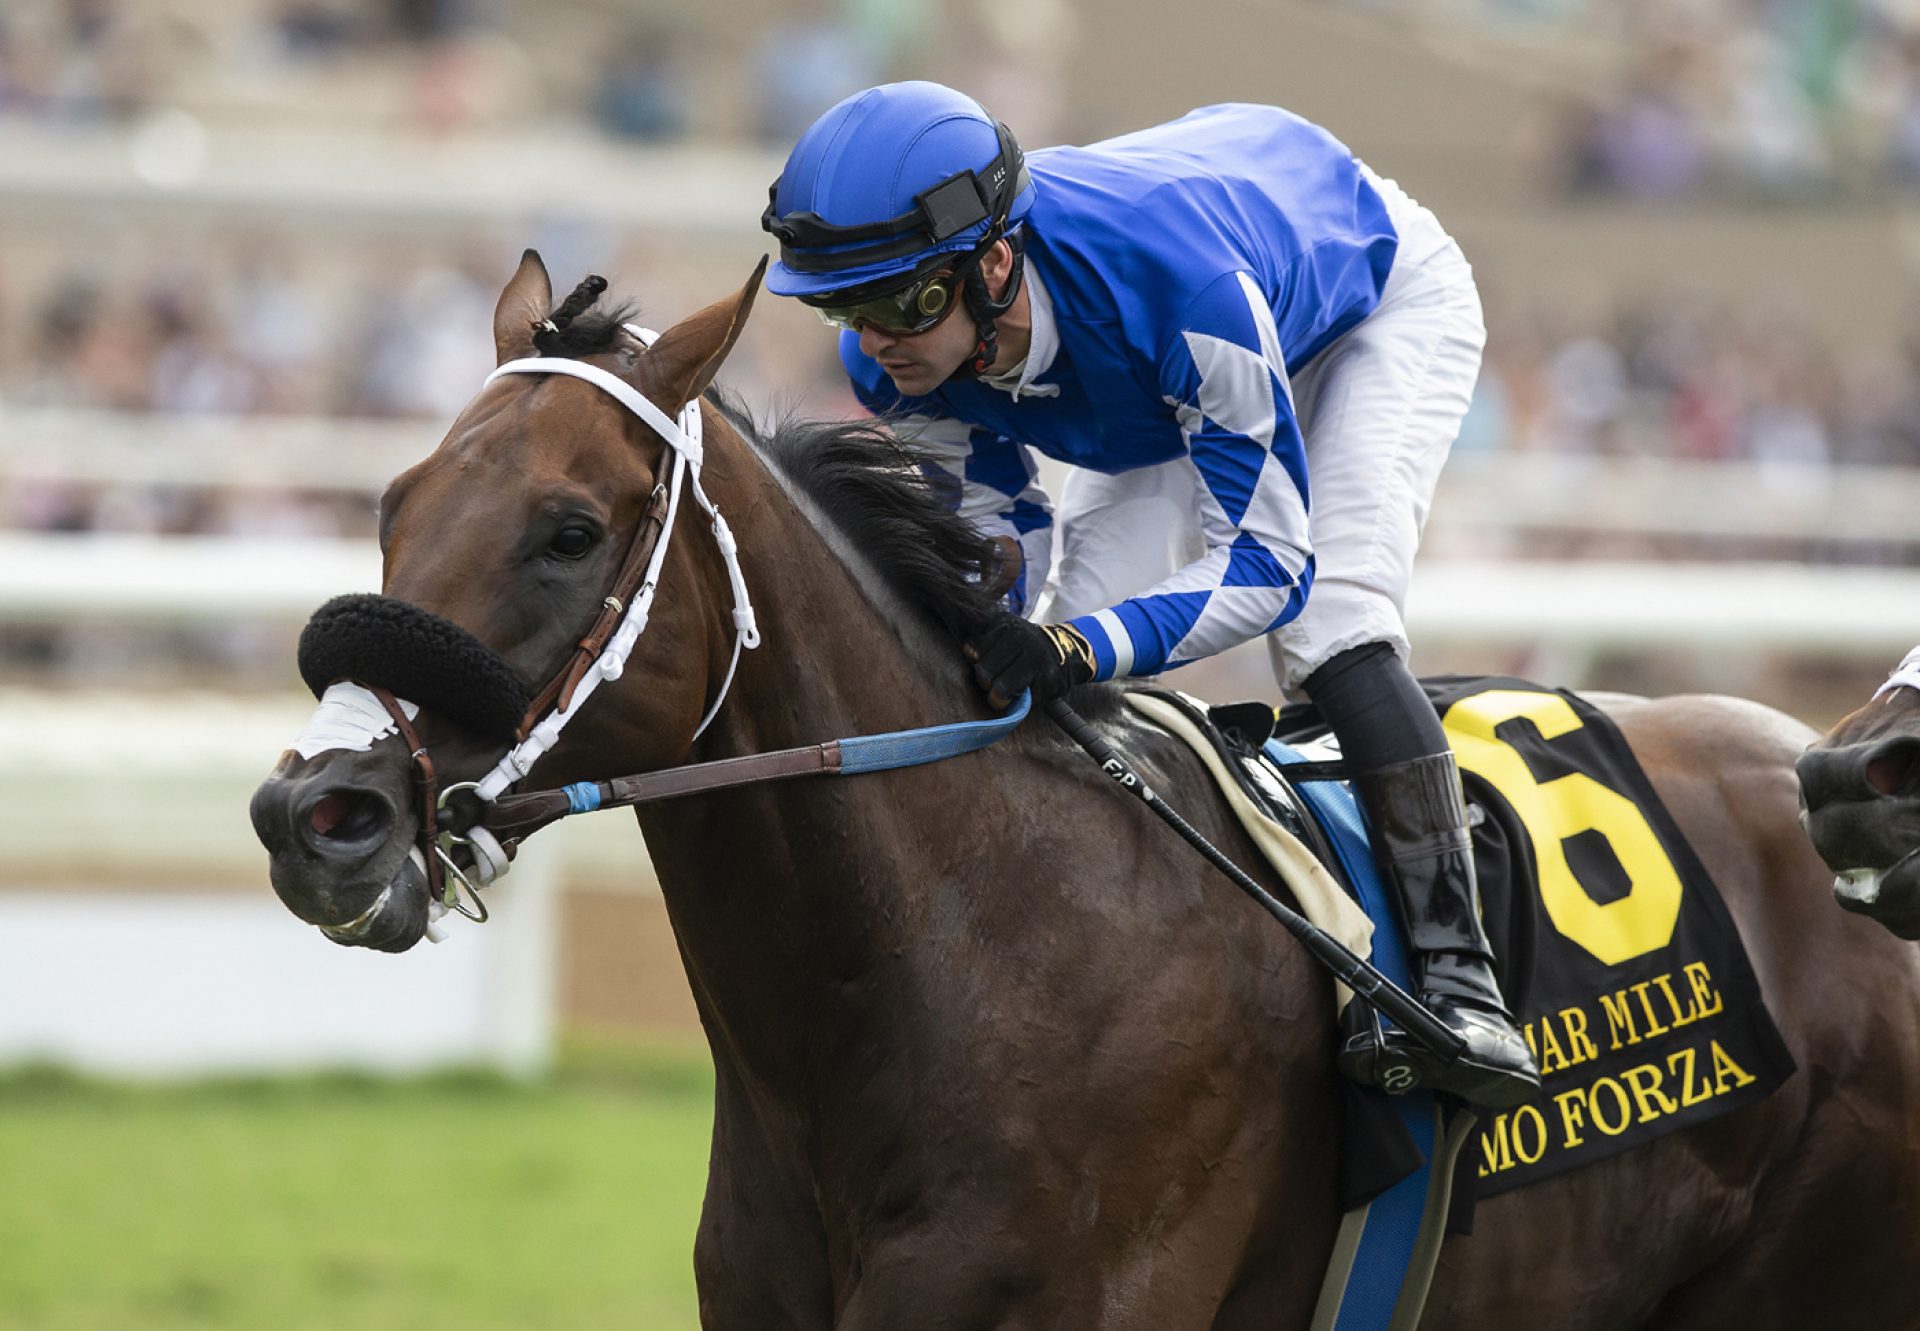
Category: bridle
[1905,675]
[601,655]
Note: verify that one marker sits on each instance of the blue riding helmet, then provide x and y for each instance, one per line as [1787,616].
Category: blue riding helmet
[885,181]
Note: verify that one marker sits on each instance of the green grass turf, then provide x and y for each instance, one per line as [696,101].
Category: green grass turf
[454,1201]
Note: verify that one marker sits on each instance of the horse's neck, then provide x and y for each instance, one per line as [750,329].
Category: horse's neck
[841,653]
[782,893]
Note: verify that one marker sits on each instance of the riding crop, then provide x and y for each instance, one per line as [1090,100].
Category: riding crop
[1355,972]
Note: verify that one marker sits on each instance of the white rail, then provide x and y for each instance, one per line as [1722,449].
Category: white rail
[49,579]
[138,934]
[1480,495]
[1619,604]
[1669,497]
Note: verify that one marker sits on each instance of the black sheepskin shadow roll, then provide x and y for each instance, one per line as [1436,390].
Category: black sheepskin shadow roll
[416,655]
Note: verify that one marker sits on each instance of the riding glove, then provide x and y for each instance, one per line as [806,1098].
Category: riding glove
[1014,654]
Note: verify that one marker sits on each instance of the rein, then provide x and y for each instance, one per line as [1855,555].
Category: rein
[520,815]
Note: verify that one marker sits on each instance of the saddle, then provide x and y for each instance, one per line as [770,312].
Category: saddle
[1238,733]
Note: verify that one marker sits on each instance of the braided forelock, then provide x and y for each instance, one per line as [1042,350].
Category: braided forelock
[549,334]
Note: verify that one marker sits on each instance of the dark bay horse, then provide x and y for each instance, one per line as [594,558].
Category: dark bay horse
[993,1047]
[1860,793]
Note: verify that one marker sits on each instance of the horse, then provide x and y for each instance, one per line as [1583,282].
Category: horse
[992,1047]
[1860,802]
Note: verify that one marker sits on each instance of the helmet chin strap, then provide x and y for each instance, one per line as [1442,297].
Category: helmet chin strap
[986,310]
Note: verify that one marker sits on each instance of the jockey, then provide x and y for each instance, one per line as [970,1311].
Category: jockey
[1209,320]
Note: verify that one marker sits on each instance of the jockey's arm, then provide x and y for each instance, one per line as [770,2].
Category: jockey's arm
[984,477]
[1224,375]
[989,480]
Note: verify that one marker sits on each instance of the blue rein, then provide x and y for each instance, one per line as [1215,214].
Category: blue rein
[911,748]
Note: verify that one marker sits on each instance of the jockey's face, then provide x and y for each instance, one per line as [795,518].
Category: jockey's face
[918,363]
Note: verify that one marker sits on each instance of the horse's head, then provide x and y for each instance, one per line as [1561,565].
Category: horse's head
[1860,792]
[534,529]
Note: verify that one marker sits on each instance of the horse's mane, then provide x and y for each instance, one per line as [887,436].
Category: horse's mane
[873,487]
[870,484]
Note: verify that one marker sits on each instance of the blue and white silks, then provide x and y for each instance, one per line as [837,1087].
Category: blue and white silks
[1181,276]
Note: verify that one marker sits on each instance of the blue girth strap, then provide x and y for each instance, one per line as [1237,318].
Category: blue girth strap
[1383,1259]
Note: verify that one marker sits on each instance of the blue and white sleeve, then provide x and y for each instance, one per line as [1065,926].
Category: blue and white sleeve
[988,479]
[1225,377]
[984,477]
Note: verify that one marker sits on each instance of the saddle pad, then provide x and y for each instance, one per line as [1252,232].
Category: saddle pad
[1322,900]
[1621,959]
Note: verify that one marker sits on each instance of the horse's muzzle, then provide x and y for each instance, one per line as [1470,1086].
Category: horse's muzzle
[1890,896]
[1862,812]
[398,917]
[340,832]
[1872,769]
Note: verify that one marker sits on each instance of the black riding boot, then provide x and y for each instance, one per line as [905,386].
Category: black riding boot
[1390,735]
[1424,850]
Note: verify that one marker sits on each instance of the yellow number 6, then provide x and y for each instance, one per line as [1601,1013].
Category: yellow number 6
[1552,811]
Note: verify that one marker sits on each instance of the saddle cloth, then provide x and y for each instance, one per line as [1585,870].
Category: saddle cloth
[1617,953]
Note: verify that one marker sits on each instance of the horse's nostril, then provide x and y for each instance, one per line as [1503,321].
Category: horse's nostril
[347,816]
[1888,771]
[330,812]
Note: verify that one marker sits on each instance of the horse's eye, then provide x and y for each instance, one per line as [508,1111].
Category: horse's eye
[571,542]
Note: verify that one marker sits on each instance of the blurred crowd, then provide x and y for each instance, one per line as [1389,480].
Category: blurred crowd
[1787,99]
[255,334]
[89,61]
[448,66]
[1669,376]
[1668,99]
[1780,98]
[1663,375]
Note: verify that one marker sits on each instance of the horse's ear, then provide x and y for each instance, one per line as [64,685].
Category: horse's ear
[687,356]
[524,301]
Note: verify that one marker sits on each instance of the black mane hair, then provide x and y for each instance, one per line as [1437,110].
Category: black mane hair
[872,485]
[874,488]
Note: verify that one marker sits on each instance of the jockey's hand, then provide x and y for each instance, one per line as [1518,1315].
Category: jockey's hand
[1013,654]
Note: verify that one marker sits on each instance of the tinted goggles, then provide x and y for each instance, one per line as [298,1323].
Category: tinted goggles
[914,308]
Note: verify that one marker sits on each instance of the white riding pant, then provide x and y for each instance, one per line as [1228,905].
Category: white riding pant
[1379,409]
